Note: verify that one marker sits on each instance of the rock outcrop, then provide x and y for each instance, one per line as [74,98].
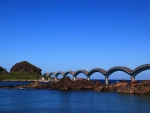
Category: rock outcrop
[2,70]
[25,67]
[68,84]
[142,87]
[63,84]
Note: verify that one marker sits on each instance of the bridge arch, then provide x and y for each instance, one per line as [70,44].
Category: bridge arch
[45,74]
[68,72]
[52,73]
[49,75]
[80,71]
[119,68]
[140,69]
[100,70]
[59,73]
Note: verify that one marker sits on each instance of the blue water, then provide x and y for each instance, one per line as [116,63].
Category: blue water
[57,101]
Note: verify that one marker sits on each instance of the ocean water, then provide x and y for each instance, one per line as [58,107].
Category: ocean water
[57,101]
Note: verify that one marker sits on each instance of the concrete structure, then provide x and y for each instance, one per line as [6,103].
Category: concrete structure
[132,78]
[49,78]
[88,78]
[106,79]
[106,74]
[55,79]
[74,78]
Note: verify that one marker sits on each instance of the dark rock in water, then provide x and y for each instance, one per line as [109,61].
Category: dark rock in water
[26,67]
[2,70]
[98,88]
[103,88]
[30,85]
[7,87]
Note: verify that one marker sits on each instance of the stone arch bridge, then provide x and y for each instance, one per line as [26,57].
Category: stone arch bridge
[106,74]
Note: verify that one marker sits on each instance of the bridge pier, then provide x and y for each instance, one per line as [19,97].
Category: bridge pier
[132,78]
[74,78]
[106,79]
[55,79]
[49,78]
[88,78]
[43,78]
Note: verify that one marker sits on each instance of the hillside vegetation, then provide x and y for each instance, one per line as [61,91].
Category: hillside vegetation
[20,76]
[21,71]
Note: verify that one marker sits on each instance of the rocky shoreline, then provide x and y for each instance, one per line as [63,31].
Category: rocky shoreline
[24,80]
[66,83]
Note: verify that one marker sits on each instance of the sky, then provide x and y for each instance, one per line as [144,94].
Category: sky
[61,35]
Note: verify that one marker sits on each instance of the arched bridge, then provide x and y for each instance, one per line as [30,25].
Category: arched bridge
[127,70]
[119,68]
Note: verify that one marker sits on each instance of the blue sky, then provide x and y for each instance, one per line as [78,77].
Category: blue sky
[61,35]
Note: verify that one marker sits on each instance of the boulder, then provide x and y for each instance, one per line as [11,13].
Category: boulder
[120,84]
[2,70]
[25,67]
[98,88]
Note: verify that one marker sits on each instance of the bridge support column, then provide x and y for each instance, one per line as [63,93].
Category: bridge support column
[55,79]
[49,78]
[74,78]
[132,78]
[106,79]
[43,78]
[88,78]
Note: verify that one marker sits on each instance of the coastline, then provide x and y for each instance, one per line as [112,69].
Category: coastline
[24,80]
[135,87]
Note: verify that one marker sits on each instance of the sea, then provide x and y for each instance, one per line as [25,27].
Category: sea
[59,101]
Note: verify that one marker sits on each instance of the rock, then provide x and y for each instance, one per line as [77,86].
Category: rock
[135,88]
[99,88]
[2,70]
[97,83]
[120,84]
[34,84]
[7,87]
[123,80]
[68,84]
[134,82]
[26,67]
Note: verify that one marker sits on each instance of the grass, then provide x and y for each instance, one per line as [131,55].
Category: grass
[20,76]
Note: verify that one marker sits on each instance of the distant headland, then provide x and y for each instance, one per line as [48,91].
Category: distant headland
[21,71]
